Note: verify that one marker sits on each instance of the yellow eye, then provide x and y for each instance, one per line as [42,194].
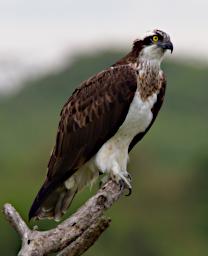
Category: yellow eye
[155,39]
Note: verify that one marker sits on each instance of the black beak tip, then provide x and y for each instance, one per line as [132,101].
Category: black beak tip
[166,46]
[171,48]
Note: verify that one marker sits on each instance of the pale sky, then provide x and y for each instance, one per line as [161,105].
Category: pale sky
[36,35]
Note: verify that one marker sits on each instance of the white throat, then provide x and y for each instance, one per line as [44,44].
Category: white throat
[151,53]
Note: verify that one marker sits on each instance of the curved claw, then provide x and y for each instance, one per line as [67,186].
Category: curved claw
[123,179]
[129,192]
[129,177]
[122,184]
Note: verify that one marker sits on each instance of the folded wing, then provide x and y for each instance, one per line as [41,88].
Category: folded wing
[90,117]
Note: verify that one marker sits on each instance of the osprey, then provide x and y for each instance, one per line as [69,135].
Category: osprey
[101,122]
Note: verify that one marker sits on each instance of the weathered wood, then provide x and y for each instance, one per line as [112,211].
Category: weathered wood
[74,235]
[87,239]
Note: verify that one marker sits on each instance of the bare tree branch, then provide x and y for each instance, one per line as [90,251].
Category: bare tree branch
[16,221]
[73,236]
[87,239]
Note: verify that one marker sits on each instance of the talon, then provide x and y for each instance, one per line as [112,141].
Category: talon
[123,179]
[122,184]
[129,192]
[129,177]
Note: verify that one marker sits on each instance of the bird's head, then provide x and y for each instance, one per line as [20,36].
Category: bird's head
[153,45]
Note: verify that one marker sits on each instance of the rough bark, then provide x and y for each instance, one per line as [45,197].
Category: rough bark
[74,235]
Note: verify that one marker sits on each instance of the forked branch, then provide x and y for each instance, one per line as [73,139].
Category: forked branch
[74,235]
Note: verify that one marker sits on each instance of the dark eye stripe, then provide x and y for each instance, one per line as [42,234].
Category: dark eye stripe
[149,40]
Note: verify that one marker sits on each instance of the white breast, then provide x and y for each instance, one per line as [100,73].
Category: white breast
[115,150]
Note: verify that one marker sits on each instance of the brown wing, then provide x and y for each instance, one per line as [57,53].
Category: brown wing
[91,116]
[155,110]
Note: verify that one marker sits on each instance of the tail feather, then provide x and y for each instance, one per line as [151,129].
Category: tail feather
[55,196]
[64,203]
[52,202]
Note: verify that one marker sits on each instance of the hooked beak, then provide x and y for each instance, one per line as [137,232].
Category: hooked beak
[166,45]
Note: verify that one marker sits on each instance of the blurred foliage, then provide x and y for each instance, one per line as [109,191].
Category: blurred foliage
[167,212]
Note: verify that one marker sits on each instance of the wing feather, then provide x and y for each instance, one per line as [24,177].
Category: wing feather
[90,117]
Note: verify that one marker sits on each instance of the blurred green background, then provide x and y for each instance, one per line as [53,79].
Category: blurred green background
[167,213]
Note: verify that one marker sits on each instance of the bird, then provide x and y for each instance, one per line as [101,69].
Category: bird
[103,119]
